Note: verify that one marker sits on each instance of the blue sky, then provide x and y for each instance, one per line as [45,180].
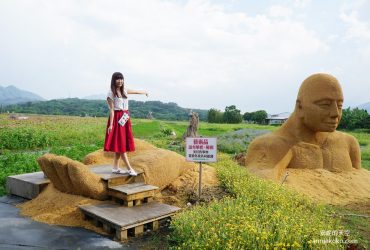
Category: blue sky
[197,53]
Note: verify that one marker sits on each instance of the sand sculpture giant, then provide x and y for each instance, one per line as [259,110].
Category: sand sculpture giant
[308,139]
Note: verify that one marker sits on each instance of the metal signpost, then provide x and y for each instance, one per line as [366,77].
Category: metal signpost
[200,149]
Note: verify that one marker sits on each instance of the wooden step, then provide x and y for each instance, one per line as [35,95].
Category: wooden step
[31,184]
[128,221]
[26,185]
[105,173]
[133,194]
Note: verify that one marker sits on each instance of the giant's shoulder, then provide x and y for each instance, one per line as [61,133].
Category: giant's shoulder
[271,140]
[267,150]
[339,135]
[344,137]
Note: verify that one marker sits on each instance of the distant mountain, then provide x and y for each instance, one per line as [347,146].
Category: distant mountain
[12,95]
[365,106]
[95,97]
[82,107]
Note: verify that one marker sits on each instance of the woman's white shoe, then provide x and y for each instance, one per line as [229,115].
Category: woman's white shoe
[132,172]
[119,171]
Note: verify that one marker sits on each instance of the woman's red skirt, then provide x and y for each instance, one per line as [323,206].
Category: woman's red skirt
[120,139]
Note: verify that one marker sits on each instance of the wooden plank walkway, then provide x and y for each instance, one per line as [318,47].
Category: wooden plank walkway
[119,219]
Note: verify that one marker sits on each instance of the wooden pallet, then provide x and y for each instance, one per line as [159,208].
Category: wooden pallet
[124,222]
[26,185]
[105,173]
[132,194]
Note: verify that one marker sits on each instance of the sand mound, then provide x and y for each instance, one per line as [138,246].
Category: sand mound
[190,179]
[101,157]
[55,207]
[163,168]
[185,188]
[328,187]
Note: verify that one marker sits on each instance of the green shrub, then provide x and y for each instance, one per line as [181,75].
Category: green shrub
[24,138]
[263,215]
[16,163]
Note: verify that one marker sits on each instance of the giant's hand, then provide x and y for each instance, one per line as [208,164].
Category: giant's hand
[72,177]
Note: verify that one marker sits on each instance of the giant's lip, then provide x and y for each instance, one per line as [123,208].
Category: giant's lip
[331,123]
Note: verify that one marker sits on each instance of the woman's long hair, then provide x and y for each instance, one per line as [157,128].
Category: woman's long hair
[115,76]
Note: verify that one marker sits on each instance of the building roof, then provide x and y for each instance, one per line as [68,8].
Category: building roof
[280,116]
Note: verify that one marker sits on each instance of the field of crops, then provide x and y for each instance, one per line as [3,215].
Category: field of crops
[257,214]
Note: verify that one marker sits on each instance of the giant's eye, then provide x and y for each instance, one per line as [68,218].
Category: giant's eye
[324,103]
[340,105]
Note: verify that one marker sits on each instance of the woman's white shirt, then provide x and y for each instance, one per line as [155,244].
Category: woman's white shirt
[120,103]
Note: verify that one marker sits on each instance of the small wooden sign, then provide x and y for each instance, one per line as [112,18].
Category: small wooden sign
[201,149]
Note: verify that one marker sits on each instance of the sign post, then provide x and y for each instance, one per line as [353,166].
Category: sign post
[200,149]
[200,180]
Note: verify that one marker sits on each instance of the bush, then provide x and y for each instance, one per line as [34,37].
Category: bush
[232,115]
[24,138]
[262,215]
[355,119]
[237,141]
[214,116]
[16,163]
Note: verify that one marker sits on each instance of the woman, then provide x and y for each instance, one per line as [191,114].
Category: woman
[119,138]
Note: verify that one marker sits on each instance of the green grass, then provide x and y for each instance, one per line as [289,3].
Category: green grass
[22,141]
[12,163]
[261,215]
[145,128]
[364,141]
[76,136]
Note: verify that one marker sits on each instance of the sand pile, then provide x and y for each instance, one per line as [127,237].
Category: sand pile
[337,188]
[101,157]
[190,179]
[163,168]
[55,207]
[333,188]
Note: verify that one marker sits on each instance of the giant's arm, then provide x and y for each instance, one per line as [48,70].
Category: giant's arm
[354,152]
[269,153]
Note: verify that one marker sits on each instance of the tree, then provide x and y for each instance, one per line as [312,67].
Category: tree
[259,116]
[214,116]
[232,115]
[355,118]
[247,116]
[256,116]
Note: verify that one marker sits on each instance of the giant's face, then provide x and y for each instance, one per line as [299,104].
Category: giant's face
[321,106]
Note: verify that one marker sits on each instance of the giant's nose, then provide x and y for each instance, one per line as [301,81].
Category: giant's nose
[334,110]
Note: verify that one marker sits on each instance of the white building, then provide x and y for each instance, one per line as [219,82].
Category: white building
[277,118]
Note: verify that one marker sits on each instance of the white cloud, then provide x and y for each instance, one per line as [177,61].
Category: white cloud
[302,3]
[356,29]
[279,11]
[173,49]
[353,5]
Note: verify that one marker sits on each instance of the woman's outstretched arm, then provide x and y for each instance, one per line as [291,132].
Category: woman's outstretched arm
[139,92]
